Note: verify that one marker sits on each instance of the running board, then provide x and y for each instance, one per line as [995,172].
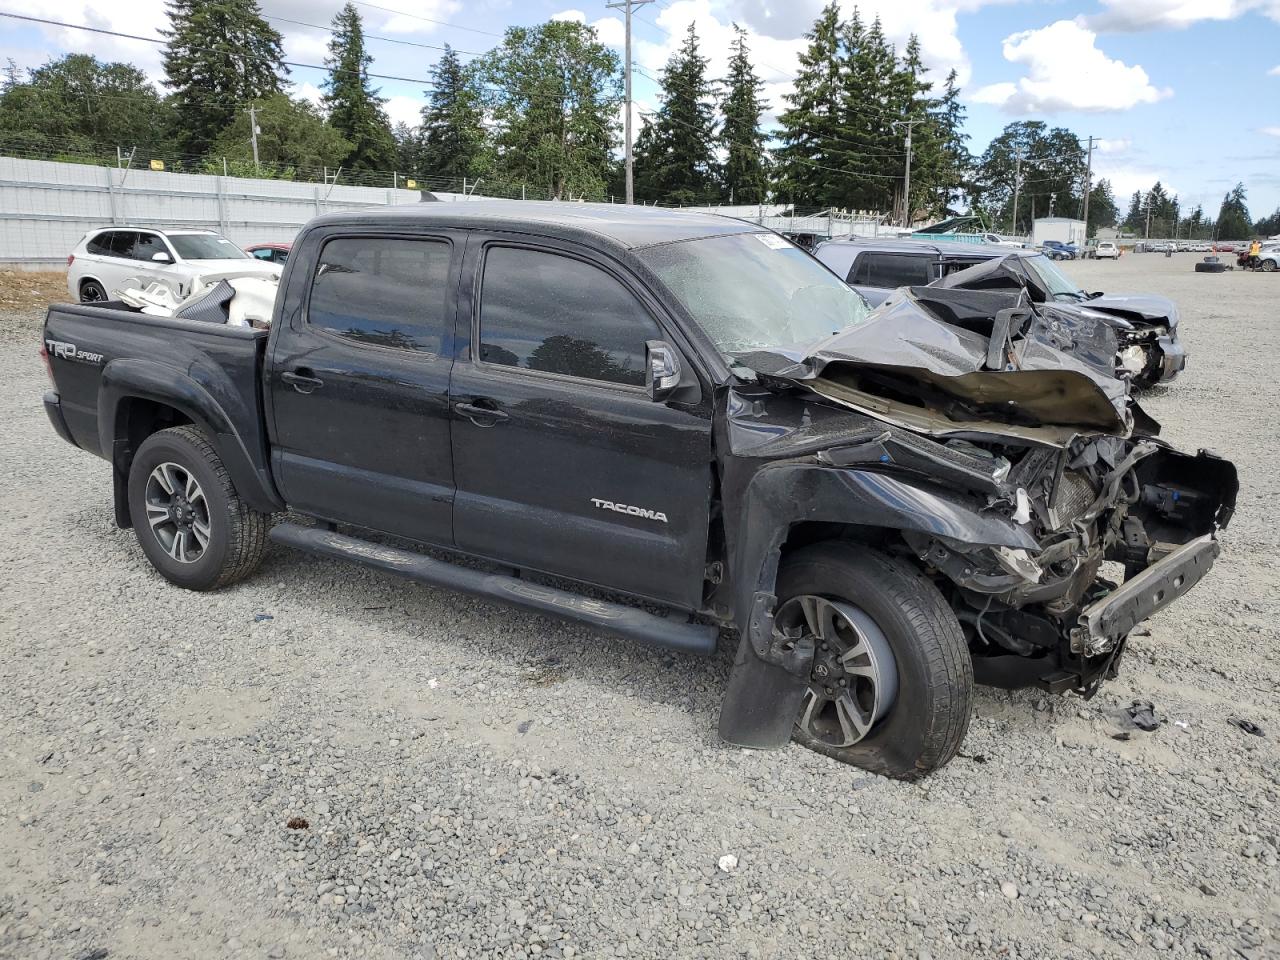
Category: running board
[616,618]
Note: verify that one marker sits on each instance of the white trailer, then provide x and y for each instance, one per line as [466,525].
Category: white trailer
[1062,229]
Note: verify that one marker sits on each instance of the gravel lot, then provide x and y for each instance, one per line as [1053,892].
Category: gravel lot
[478,782]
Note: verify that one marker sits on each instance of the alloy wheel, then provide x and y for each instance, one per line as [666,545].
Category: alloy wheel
[178,512]
[854,678]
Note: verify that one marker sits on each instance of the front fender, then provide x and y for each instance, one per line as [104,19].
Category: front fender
[163,383]
[770,673]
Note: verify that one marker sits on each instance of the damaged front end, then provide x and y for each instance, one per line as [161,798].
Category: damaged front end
[1122,527]
[1000,454]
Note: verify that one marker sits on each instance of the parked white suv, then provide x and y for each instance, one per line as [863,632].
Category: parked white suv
[1106,250]
[115,258]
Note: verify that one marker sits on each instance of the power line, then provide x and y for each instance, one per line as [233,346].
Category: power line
[372,36]
[416,16]
[161,41]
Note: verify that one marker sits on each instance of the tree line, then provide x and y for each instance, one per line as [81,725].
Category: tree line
[541,110]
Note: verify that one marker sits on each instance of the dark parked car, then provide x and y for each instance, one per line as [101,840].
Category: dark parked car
[1058,250]
[686,414]
[1148,348]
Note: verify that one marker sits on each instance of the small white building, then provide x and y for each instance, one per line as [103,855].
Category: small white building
[1062,229]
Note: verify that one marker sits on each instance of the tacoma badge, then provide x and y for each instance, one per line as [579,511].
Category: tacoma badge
[630,511]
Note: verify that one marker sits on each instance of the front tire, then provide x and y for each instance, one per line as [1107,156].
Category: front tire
[187,516]
[877,608]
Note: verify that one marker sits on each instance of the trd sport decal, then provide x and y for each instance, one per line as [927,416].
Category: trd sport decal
[68,351]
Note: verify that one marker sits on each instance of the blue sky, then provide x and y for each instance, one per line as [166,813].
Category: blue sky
[1184,91]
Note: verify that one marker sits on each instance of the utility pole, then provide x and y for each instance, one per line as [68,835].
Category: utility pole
[253,134]
[1088,187]
[906,180]
[627,6]
[1017,188]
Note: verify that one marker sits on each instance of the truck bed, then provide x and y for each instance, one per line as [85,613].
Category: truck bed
[107,362]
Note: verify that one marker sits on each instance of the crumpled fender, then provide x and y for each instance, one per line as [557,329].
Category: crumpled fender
[770,672]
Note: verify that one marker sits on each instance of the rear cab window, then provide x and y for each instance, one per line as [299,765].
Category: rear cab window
[383,291]
[892,269]
[553,313]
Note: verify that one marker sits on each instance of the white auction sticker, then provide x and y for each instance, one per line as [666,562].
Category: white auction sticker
[772,241]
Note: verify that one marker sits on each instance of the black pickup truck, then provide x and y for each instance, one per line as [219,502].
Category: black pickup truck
[661,425]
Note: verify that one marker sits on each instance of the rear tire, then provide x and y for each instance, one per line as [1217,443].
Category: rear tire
[1268,266]
[91,291]
[925,724]
[187,516]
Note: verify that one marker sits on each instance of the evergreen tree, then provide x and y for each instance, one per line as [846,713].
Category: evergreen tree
[556,94]
[1102,207]
[1233,217]
[219,56]
[679,155]
[1268,226]
[745,177]
[911,97]
[454,142]
[953,144]
[1135,219]
[355,109]
[809,172]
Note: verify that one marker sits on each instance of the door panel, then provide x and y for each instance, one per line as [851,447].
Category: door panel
[583,478]
[360,383]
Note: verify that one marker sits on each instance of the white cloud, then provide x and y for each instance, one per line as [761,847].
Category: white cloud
[404,110]
[431,9]
[1274,71]
[1066,71]
[1137,15]
[611,31]
[309,92]
[140,18]
[1119,145]
[1125,178]
[1270,131]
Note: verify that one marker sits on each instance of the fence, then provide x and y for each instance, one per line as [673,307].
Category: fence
[46,207]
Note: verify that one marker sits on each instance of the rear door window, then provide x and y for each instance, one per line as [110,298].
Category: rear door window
[383,291]
[892,270]
[122,242]
[543,311]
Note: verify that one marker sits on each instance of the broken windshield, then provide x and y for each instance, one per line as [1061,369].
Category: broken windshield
[751,291]
[1053,279]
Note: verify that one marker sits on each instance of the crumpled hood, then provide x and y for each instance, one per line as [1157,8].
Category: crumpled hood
[1146,306]
[1010,274]
[937,361]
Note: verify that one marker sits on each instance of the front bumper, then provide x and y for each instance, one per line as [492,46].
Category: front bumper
[1104,623]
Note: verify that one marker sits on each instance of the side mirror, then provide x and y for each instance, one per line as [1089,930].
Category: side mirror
[662,370]
[162,257]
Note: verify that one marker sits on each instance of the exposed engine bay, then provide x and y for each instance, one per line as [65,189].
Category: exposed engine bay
[1091,522]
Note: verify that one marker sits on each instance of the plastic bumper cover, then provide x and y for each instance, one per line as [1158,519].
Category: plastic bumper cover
[53,407]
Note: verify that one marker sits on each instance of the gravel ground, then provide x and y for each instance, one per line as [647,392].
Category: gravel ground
[477,782]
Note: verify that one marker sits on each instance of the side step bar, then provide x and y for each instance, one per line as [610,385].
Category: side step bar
[629,622]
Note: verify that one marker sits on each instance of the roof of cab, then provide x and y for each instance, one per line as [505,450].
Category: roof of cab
[631,227]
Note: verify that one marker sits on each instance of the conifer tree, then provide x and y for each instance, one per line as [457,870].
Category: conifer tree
[355,109]
[454,142]
[678,156]
[809,173]
[745,177]
[219,56]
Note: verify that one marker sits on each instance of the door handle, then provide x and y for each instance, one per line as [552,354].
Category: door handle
[480,411]
[301,380]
